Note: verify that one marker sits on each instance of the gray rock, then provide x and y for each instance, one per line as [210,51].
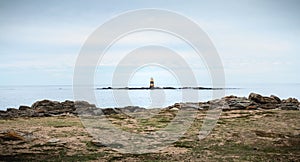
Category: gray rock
[27,112]
[238,103]
[83,104]
[290,104]
[53,140]
[98,112]
[85,111]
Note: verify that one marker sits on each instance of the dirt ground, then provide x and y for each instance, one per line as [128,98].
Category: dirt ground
[240,135]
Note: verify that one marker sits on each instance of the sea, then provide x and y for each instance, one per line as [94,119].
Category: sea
[14,96]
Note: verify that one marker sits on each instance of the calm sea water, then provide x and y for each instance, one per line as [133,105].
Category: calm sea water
[14,96]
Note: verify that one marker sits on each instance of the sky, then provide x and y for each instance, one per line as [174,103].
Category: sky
[257,40]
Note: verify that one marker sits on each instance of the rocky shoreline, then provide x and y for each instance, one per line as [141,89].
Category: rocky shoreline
[253,128]
[46,108]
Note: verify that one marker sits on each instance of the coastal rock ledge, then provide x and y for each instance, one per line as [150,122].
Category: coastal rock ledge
[46,108]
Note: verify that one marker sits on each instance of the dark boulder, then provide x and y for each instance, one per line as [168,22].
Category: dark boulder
[28,112]
[238,103]
[290,104]
[46,105]
[109,111]
[269,106]
[262,99]
[204,106]
[255,97]
[291,100]
[24,108]
[12,110]
[290,107]
[276,98]
[68,105]
[49,108]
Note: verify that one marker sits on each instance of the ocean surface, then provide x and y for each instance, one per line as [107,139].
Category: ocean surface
[14,96]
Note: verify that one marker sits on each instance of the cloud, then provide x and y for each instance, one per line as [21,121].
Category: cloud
[250,39]
[36,34]
[45,61]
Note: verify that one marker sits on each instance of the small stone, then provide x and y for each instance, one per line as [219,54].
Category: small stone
[97,143]
[252,107]
[53,140]
[174,109]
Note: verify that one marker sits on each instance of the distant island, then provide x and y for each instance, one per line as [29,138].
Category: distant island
[150,88]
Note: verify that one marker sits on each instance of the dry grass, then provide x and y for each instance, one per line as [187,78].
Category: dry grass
[258,135]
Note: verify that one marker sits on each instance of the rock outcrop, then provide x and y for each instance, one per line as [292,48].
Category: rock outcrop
[290,104]
[46,108]
[254,101]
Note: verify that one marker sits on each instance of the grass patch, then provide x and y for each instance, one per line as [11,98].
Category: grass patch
[185,144]
[62,123]
[60,156]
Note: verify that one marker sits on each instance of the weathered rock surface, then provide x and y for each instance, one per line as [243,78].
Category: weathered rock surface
[262,99]
[53,108]
[254,101]
[15,135]
[46,108]
[290,104]
[130,109]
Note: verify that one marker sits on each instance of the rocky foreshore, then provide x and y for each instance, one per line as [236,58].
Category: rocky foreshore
[47,108]
[256,128]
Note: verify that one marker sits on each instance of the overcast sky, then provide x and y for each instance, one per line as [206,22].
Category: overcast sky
[257,40]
